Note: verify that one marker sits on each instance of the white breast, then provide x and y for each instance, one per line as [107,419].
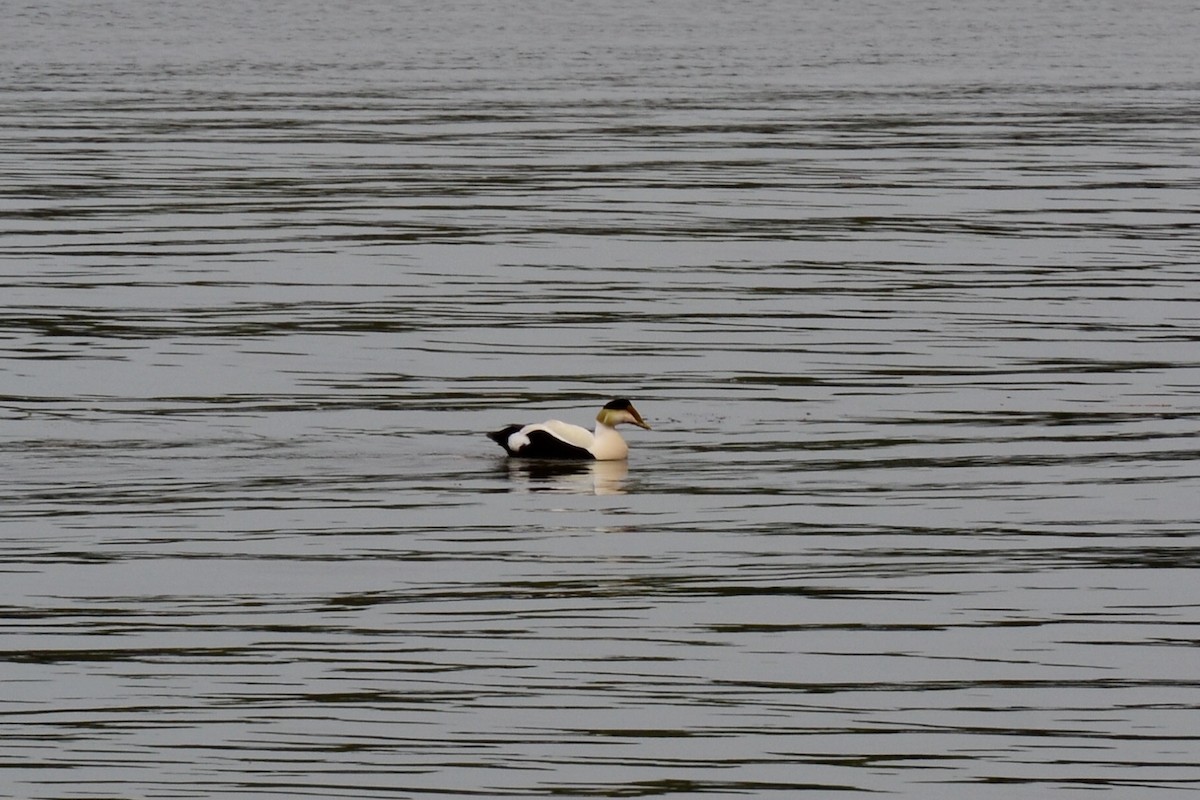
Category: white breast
[608,444]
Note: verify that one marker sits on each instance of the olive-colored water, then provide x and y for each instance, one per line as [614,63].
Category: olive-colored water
[909,292]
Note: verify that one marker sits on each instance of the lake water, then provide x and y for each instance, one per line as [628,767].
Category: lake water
[909,292]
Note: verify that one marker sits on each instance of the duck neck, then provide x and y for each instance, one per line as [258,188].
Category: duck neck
[608,444]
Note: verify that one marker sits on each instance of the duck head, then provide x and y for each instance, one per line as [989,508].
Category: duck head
[618,411]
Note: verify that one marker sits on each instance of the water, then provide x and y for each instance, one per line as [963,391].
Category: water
[907,291]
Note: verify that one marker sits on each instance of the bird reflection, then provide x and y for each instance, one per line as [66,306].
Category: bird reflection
[579,477]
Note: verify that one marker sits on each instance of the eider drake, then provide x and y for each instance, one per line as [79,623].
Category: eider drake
[555,439]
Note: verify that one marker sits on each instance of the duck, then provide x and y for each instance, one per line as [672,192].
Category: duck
[561,440]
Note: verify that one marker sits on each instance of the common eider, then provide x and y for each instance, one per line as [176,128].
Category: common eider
[555,439]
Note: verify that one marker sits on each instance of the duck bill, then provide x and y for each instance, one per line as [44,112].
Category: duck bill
[637,418]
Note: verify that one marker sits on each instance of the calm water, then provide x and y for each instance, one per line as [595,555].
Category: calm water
[909,292]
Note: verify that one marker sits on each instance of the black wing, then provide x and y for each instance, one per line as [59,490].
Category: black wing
[543,444]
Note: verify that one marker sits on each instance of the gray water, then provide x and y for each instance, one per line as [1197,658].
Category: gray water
[907,290]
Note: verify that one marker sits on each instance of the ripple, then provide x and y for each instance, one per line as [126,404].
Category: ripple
[917,509]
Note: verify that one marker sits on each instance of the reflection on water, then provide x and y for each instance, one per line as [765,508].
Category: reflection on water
[595,477]
[910,291]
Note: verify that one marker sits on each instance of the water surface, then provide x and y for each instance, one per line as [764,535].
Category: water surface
[907,291]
